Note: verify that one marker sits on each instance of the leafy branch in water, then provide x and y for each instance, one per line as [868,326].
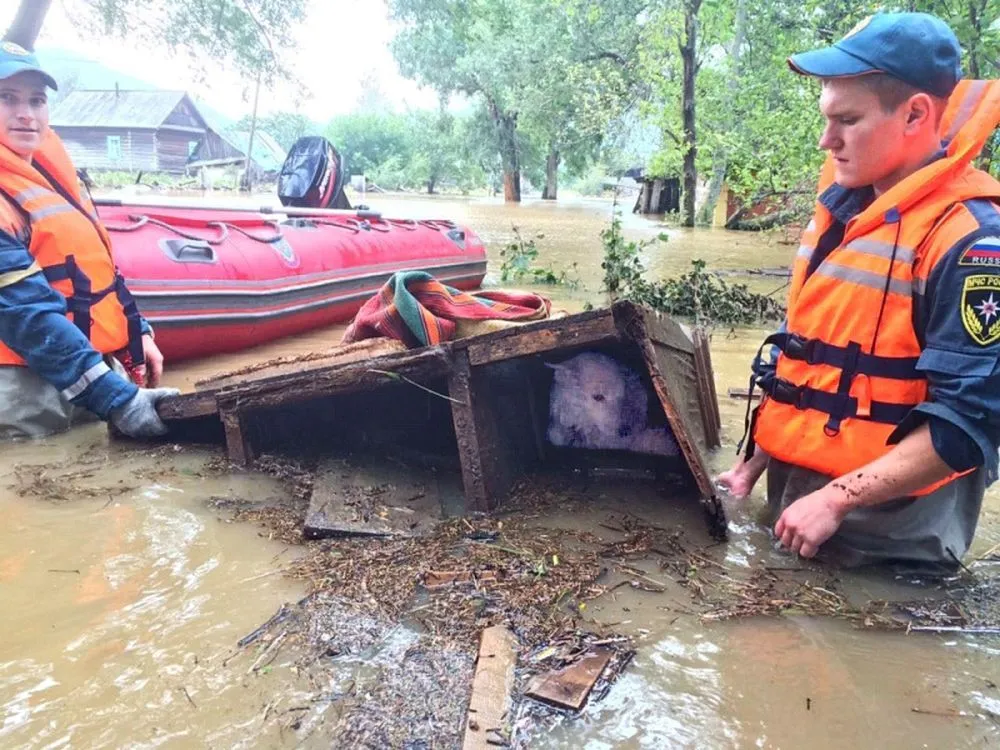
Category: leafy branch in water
[519,264]
[699,294]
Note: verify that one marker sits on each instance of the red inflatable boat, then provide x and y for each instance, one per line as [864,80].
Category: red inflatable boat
[215,280]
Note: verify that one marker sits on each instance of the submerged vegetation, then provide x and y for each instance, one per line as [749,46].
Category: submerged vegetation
[520,264]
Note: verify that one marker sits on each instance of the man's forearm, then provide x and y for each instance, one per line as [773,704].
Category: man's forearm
[910,466]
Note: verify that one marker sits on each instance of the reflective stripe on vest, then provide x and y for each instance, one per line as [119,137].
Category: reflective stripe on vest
[847,372]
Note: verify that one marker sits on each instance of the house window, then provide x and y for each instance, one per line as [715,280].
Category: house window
[114,148]
[192,147]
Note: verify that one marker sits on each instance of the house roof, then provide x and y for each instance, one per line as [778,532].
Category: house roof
[267,152]
[115,109]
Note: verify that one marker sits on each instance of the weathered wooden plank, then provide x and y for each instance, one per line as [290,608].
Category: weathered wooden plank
[490,703]
[238,446]
[427,363]
[569,687]
[633,320]
[582,330]
[486,470]
[673,377]
[707,397]
[350,500]
[187,406]
[336,356]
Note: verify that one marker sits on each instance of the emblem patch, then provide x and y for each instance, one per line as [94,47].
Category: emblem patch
[14,49]
[984,252]
[980,308]
[286,252]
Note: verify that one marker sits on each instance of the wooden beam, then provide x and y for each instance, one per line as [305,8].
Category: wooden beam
[487,474]
[580,330]
[238,446]
[490,704]
[188,406]
[707,397]
[427,363]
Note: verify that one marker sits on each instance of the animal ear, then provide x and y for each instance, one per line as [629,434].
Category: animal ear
[556,365]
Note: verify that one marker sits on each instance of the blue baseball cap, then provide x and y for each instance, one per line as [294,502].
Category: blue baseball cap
[16,59]
[917,48]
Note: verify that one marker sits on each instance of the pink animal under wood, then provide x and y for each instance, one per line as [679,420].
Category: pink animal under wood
[597,402]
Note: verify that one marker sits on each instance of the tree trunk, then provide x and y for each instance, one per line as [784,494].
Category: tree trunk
[720,163]
[975,14]
[27,23]
[510,157]
[688,49]
[551,175]
[248,174]
[431,184]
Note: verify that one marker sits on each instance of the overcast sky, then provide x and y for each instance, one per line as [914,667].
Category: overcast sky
[338,44]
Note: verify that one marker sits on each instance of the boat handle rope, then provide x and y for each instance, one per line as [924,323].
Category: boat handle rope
[408,224]
[276,237]
[220,226]
[141,221]
[436,224]
[337,224]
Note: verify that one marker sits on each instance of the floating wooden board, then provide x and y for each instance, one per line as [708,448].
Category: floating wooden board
[350,498]
[490,703]
[569,687]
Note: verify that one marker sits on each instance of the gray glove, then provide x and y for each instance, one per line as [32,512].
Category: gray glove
[137,417]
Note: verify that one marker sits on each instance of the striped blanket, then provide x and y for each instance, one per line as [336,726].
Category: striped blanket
[415,308]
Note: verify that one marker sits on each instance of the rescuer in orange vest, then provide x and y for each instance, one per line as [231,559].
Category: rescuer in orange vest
[68,323]
[880,424]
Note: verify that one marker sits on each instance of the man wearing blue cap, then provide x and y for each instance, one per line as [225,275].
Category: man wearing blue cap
[67,320]
[880,425]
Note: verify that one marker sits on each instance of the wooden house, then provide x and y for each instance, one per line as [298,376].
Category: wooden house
[132,131]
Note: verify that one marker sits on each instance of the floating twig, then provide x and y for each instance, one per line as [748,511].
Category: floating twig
[947,714]
[271,651]
[63,570]
[953,629]
[188,696]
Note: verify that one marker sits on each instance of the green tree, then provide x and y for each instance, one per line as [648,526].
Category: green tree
[368,142]
[533,64]
[284,127]
[246,34]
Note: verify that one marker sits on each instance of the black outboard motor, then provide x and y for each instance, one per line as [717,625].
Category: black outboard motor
[312,175]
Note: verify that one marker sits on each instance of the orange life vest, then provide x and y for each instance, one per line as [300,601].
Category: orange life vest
[847,373]
[71,248]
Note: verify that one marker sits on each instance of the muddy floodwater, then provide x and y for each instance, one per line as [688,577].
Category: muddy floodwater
[125,584]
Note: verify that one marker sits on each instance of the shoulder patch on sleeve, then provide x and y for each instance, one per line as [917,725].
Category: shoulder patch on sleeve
[984,253]
[980,308]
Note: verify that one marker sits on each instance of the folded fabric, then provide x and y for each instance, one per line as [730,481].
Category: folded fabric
[417,309]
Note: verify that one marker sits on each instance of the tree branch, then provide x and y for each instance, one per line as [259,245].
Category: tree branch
[27,24]
[613,56]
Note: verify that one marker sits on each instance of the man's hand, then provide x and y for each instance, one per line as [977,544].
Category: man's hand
[811,520]
[152,371]
[740,480]
[137,418]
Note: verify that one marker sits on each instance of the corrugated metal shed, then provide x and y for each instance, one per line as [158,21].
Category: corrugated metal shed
[116,109]
[267,152]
